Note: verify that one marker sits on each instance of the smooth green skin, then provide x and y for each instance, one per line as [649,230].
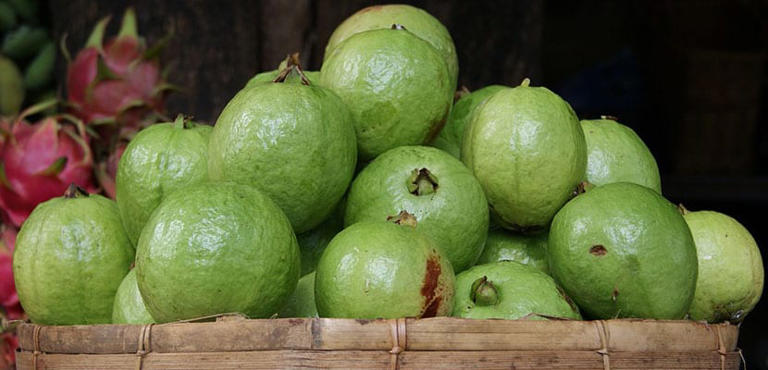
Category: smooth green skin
[503,245]
[731,274]
[380,270]
[296,143]
[216,248]
[527,149]
[302,302]
[160,159]
[455,216]
[451,135]
[312,243]
[616,154]
[524,292]
[269,76]
[129,307]
[649,266]
[71,255]
[415,20]
[396,85]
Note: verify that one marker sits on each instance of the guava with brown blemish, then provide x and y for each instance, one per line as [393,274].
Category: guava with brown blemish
[446,201]
[510,290]
[383,270]
[622,250]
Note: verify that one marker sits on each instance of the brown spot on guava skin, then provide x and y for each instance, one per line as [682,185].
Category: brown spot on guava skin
[429,288]
[615,293]
[598,250]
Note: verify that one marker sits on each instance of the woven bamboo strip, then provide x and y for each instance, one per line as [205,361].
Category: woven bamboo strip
[381,360]
[423,335]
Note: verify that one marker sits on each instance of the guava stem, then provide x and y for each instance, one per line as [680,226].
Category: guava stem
[526,82]
[483,293]
[611,118]
[181,122]
[74,191]
[422,182]
[460,93]
[292,64]
[582,188]
[403,218]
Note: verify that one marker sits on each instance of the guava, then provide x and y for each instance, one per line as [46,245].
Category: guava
[450,137]
[129,307]
[383,270]
[160,159]
[616,154]
[416,20]
[71,256]
[396,84]
[312,243]
[510,290]
[502,245]
[293,140]
[216,248]
[302,302]
[527,149]
[436,188]
[622,250]
[730,280]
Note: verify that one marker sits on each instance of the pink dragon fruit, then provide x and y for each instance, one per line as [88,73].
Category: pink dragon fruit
[9,300]
[8,344]
[117,83]
[106,171]
[40,160]
[117,88]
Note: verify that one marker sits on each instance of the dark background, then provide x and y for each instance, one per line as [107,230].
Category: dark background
[688,76]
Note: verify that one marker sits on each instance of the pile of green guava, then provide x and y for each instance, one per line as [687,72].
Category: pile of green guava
[370,189]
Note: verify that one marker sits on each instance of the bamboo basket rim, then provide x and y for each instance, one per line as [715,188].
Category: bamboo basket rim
[440,333]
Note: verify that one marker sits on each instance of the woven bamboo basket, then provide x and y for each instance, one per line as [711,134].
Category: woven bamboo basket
[403,343]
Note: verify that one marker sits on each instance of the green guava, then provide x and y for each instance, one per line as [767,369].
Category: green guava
[503,245]
[129,307]
[71,256]
[436,188]
[416,20]
[730,280]
[396,85]
[302,302]
[383,270]
[293,141]
[216,248]
[616,154]
[622,250]
[160,159]
[312,243]
[527,149]
[451,135]
[510,290]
